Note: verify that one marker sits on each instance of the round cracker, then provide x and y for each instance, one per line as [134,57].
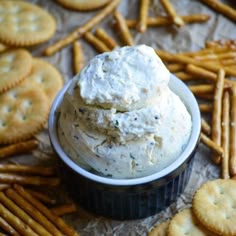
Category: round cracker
[214,204]
[83,5]
[23,112]
[24,24]
[185,223]
[47,78]
[160,229]
[15,65]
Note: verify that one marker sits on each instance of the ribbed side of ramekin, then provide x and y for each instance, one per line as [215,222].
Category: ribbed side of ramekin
[124,202]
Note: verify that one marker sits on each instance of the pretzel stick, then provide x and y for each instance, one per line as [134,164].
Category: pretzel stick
[78,57]
[15,222]
[7,228]
[230,43]
[3,47]
[211,144]
[200,72]
[64,209]
[219,56]
[18,212]
[175,67]
[41,197]
[123,28]
[33,212]
[4,186]
[184,76]
[217,111]
[76,34]
[221,8]
[29,180]
[18,148]
[205,96]
[233,132]
[205,107]
[206,128]
[143,15]
[104,37]
[178,21]
[203,88]
[96,43]
[169,57]
[225,134]
[206,51]
[228,62]
[166,20]
[39,170]
[206,74]
[59,222]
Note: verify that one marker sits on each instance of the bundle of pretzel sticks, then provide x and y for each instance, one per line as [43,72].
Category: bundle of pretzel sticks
[212,69]
[30,210]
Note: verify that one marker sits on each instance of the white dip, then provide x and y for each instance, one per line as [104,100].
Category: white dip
[119,117]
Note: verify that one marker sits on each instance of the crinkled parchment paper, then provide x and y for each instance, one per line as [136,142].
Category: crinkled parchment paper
[189,38]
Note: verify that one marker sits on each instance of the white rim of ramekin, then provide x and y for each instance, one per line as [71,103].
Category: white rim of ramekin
[192,106]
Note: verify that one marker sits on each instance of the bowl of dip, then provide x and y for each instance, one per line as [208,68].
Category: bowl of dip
[129,195]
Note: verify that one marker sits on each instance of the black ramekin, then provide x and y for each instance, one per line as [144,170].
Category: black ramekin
[125,199]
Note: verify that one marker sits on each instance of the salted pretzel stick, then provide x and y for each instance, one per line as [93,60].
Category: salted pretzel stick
[64,209]
[143,15]
[202,88]
[78,57]
[225,134]
[59,222]
[16,223]
[76,34]
[33,212]
[6,178]
[41,197]
[166,20]
[169,57]
[206,128]
[233,132]
[123,28]
[105,38]
[175,67]
[18,148]
[7,228]
[96,43]
[217,111]
[230,43]
[205,107]
[178,21]
[211,144]
[221,8]
[26,169]
[18,212]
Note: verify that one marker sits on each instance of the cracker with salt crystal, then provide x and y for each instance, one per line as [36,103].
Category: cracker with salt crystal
[160,229]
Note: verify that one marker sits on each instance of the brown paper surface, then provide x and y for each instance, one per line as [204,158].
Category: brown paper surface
[188,38]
